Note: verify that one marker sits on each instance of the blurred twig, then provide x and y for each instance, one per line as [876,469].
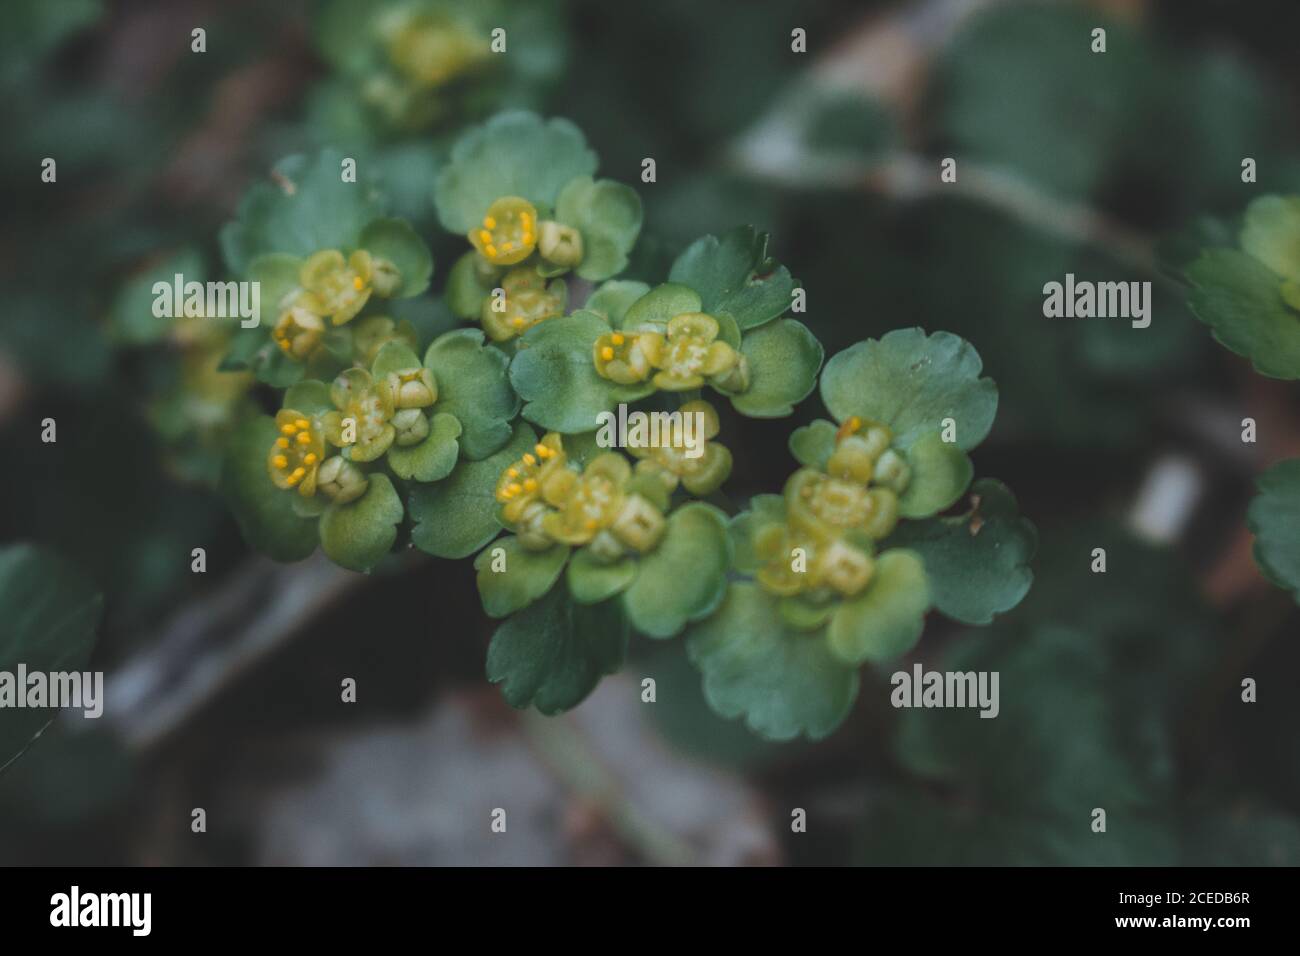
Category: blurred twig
[214,640]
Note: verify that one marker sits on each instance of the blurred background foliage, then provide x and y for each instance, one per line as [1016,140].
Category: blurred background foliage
[1119,690]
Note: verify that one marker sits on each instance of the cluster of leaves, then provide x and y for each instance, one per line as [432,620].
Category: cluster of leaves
[373,441]
[1245,285]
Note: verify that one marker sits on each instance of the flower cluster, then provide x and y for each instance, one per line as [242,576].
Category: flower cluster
[833,517]
[602,506]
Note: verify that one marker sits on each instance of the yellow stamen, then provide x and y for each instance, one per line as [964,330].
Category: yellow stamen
[357,283]
[529,460]
[288,430]
[512,472]
[298,473]
[491,251]
[514,489]
[303,423]
[304,438]
[542,450]
[507,246]
[282,443]
[607,353]
[484,236]
[530,485]
[280,461]
[489,222]
[311,458]
[617,338]
[292,480]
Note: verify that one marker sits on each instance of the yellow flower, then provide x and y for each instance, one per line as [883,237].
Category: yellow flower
[691,354]
[341,286]
[627,357]
[796,563]
[296,455]
[824,506]
[300,328]
[668,459]
[431,49]
[363,420]
[508,232]
[592,502]
[341,481]
[541,476]
[527,300]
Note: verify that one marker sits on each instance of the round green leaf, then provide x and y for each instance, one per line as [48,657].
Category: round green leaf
[763,510]
[305,207]
[526,575]
[656,307]
[432,459]
[358,534]
[457,516]
[473,385]
[552,653]
[51,613]
[465,294]
[1240,299]
[1274,518]
[263,512]
[940,473]
[1270,232]
[513,154]
[684,578]
[393,357]
[311,397]
[612,299]
[277,275]
[608,215]
[912,382]
[396,241]
[783,682]
[554,374]
[886,620]
[784,358]
[813,444]
[735,274]
[977,563]
[592,580]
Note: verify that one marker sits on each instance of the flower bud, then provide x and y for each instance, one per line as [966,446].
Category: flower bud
[559,244]
[411,427]
[341,480]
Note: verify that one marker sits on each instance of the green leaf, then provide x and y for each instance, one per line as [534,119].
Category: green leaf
[473,385]
[464,293]
[307,207]
[513,154]
[685,577]
[735,274]
[608,215]
[528,575]
[912,382]
[886,620]
[393,357]
[358,534]
[592,580]
[978,562]
[1240,298]
[263,512]
[432,459]
[51,613]
[612,299]
[311,397]
[813,444]
[555,375]
[654,309]
[940,473]
[278,275]
[784,683]
[133,320]
[458,515]
[763,510]
[784,358]
[1270,232]
[552,653]
[1274,518]
[396,241]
